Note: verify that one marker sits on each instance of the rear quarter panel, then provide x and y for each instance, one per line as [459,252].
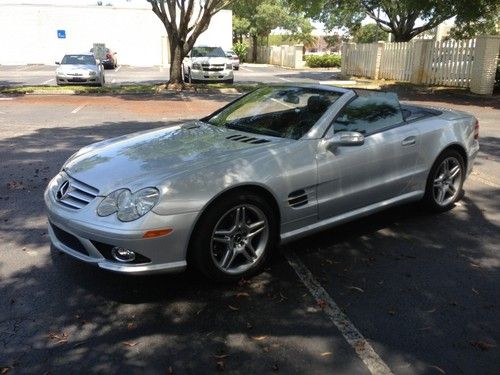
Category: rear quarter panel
[440,132]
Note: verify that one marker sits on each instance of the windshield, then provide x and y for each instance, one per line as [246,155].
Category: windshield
[287,112]
[78,60]
[207,52]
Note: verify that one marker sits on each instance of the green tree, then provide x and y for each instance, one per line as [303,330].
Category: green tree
[263,16]
[398,17]
[241,28]
[368,34]
[483,25]
[184,21]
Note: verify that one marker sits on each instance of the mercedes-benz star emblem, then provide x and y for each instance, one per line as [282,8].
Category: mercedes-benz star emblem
[63,190]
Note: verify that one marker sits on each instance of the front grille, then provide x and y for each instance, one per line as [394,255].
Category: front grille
[77,195]
[213,67]
[69,240]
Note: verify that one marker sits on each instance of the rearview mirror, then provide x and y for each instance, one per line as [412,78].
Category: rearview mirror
[58,63]
[345,139]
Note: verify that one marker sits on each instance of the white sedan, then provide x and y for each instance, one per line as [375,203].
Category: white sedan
[80,69]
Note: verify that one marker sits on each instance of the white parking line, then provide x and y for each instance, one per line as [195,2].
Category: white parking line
[360,345]
[48,81]
[6,98]
[77,109]
[284,79]
[118,68]
[476,176]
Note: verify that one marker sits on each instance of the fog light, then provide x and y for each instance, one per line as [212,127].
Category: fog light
[122,255]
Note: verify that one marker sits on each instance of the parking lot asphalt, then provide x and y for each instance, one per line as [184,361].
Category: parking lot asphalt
[28,75]
[422,289]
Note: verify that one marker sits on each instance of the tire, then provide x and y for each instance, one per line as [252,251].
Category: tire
[230,81]
[445,182]
[236,68]
[219,247]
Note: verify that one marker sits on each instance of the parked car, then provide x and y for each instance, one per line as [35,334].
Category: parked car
[234,59]
[207,64]
[109,59]
[80,69]
[277,164]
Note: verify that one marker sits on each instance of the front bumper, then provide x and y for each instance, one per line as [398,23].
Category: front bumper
[202,75]
[79,80]
[85,236]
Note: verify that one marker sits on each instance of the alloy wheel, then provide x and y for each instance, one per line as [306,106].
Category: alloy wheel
[239,239]
[447,181]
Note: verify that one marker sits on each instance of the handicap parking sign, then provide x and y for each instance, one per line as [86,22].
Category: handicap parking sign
[61,34]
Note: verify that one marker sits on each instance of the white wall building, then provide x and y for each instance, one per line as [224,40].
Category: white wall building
[43,33]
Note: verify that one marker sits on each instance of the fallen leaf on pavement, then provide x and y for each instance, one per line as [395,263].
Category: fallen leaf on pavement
[321,303]
[4,370]
[131,325]
[60,338]
[484,346]
[259,338]
[221,365]
[438,369]
[222,356]
[130,344]
[234,308]
[326,354]
[475,291]
[356,288]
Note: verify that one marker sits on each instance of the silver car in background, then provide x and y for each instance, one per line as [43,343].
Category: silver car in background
[276,164]
[80,69]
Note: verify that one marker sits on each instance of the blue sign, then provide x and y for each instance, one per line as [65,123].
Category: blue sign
[61,34]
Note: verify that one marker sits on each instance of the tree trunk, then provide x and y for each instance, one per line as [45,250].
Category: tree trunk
[254,48]
[176,58]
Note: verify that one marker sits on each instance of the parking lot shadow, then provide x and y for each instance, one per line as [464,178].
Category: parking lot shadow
[422,288]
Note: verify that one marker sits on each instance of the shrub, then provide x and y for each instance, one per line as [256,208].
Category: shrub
[241,50]
[323,61]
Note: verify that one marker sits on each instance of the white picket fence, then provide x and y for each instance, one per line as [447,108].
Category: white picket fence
[464,63]
[360,59]
[285,55]
[396,61]
[449,63]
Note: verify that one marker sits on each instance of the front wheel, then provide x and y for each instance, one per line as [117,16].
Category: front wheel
[234,238]
[445,181]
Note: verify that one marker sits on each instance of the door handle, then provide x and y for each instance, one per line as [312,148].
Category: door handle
[409,141]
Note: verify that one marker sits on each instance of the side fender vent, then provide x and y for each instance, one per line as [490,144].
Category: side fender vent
[245,139]
[297,198]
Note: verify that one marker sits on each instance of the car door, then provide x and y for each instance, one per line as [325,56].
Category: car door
[382,168]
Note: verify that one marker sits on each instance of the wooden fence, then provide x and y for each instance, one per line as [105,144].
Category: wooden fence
[465,63]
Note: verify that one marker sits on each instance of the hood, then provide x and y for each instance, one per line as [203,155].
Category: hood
[80,68]
[149,158]
[210,60]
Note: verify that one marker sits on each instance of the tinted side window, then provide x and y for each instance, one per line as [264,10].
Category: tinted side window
[369,113]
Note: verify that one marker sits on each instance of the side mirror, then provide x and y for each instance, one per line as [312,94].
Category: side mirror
[345,139]
[58,63]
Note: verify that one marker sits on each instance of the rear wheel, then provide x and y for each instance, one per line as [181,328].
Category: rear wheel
[445,181]
[230,81]
[234,238]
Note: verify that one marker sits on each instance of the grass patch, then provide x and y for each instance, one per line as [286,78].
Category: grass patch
[126,89]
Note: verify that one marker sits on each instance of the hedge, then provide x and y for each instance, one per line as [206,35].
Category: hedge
[323,61]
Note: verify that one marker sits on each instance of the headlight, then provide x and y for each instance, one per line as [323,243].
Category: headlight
[229,66]
[92,73]
[128,206]
[196,66]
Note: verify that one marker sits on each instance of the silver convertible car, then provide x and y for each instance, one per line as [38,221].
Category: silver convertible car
[279,163]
